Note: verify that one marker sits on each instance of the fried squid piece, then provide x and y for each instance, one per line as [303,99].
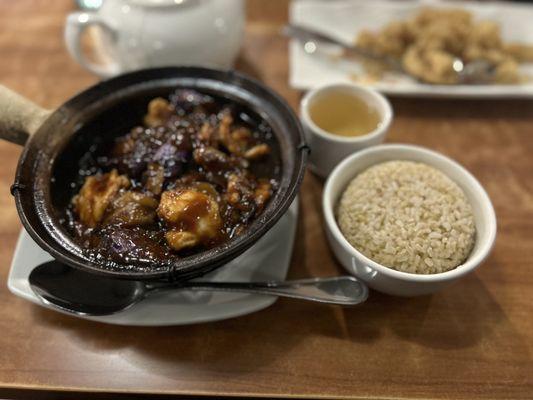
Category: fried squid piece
[131,209]
[96,194]
[192,215]
[159,111]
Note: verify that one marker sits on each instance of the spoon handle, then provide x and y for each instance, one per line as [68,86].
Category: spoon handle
[342,290]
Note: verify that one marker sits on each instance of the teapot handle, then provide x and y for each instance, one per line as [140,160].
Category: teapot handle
[19,117]
[77,23]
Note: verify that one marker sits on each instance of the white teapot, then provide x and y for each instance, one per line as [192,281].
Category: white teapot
[150,33]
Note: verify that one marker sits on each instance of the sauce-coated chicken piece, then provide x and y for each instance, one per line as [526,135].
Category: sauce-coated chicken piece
[240,193]
[159,111]
[154,178]
[96,194]
[262,194]
[179,240]
[257,152]
[193,216]
[247,195]
[239,141]
[224,128]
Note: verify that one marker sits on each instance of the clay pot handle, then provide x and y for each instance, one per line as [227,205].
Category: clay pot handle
[19,117]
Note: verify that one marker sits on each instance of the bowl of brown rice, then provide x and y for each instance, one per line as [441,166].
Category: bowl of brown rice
[407,220]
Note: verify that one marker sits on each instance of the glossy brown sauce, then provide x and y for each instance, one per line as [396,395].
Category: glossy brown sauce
[193,213]
[178,184]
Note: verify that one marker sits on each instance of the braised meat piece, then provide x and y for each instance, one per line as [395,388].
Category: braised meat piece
[131,209]
[211,159]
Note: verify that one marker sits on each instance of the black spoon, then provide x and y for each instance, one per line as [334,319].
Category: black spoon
[83,293]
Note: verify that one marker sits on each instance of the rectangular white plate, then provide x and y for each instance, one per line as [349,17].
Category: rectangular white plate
[343,19]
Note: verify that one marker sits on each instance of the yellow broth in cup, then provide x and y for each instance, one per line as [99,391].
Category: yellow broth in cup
[344,114]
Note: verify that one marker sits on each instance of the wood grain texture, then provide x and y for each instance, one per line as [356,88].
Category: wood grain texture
[471,341]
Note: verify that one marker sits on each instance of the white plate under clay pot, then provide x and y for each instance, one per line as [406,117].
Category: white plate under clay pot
[268,259]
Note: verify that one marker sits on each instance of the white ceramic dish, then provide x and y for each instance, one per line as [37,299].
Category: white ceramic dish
[327,149]
[268,259]
[385,279]
[343,19]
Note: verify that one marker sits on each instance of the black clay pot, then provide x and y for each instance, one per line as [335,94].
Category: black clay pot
[55,140]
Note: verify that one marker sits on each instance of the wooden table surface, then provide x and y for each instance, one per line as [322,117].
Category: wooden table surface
[472,340]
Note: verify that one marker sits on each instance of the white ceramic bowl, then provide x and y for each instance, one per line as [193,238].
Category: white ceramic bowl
[385,279]
[328,149]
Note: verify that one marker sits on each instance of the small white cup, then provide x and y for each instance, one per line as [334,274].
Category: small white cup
[328,149]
